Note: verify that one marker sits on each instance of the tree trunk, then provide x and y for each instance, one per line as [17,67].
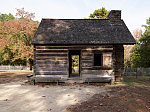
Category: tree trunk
[28,64]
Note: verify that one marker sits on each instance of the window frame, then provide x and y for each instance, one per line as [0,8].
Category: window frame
[101,65]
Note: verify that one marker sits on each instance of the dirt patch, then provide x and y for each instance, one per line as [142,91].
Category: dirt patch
[119,99]
[20,97]
[132,95]
[6,77]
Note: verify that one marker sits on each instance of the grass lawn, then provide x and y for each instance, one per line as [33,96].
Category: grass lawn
[133,81]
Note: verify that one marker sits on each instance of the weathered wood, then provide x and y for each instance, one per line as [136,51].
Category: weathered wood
[86,64]
[97,68]
[57,53]
[49,51]
[73,46]
[51,62]
[86,54]
[97,49]
[54,60]
[107,59]
[61,47]
[51,65]
[92,49]
[63,55]
[98,79]
[96,72]
[34,56]
[51,69]
[84,57]
[51,58]
[46,79]
[43,49]
[51,73]
[87,58]
[87,61]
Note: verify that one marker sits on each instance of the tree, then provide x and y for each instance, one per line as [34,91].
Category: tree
[141,52]
[16,35]
[101,13]
[128,48]
[6,55]
[137,34]
[6,17]
[22,14]
[75,60]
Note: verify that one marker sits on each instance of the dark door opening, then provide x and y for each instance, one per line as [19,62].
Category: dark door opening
[74,63]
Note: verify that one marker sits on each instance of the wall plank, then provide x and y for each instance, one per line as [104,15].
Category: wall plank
[51,62]
[62,55]
[96,72]
[51,69]
[51,73]
[51,65]
[49,51]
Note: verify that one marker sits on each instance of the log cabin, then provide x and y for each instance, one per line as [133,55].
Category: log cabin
[83,48]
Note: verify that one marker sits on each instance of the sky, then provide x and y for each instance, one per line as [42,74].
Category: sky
[134,12]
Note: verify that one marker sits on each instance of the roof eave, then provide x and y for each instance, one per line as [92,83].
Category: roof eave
[41,43]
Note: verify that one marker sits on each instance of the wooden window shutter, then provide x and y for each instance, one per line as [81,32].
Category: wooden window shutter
[107,59]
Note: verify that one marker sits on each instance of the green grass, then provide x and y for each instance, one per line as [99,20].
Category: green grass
[133,81]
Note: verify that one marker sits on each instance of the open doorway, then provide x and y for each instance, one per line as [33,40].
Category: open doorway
[74,63]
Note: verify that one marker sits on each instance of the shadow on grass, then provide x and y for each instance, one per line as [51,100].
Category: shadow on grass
[133,81]
[6,77]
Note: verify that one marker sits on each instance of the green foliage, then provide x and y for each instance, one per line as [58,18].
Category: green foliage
[76,60]
[136,56]
[15,38]
[101,13]
[147,27]
[6,17]
[127,63]
[141,52]
[5,56]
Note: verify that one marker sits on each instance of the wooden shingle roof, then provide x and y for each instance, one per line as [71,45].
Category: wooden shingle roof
[82,31]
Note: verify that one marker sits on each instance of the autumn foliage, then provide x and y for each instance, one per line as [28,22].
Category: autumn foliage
[128,48]
[15,38]
[138,54]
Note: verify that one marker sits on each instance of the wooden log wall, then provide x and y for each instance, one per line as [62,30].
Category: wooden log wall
[54,60]
[50,60]
[87,61]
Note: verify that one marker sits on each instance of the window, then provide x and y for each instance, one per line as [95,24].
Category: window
[98,60]
[107,59]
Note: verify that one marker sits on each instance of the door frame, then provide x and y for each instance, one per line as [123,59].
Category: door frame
[74,52]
